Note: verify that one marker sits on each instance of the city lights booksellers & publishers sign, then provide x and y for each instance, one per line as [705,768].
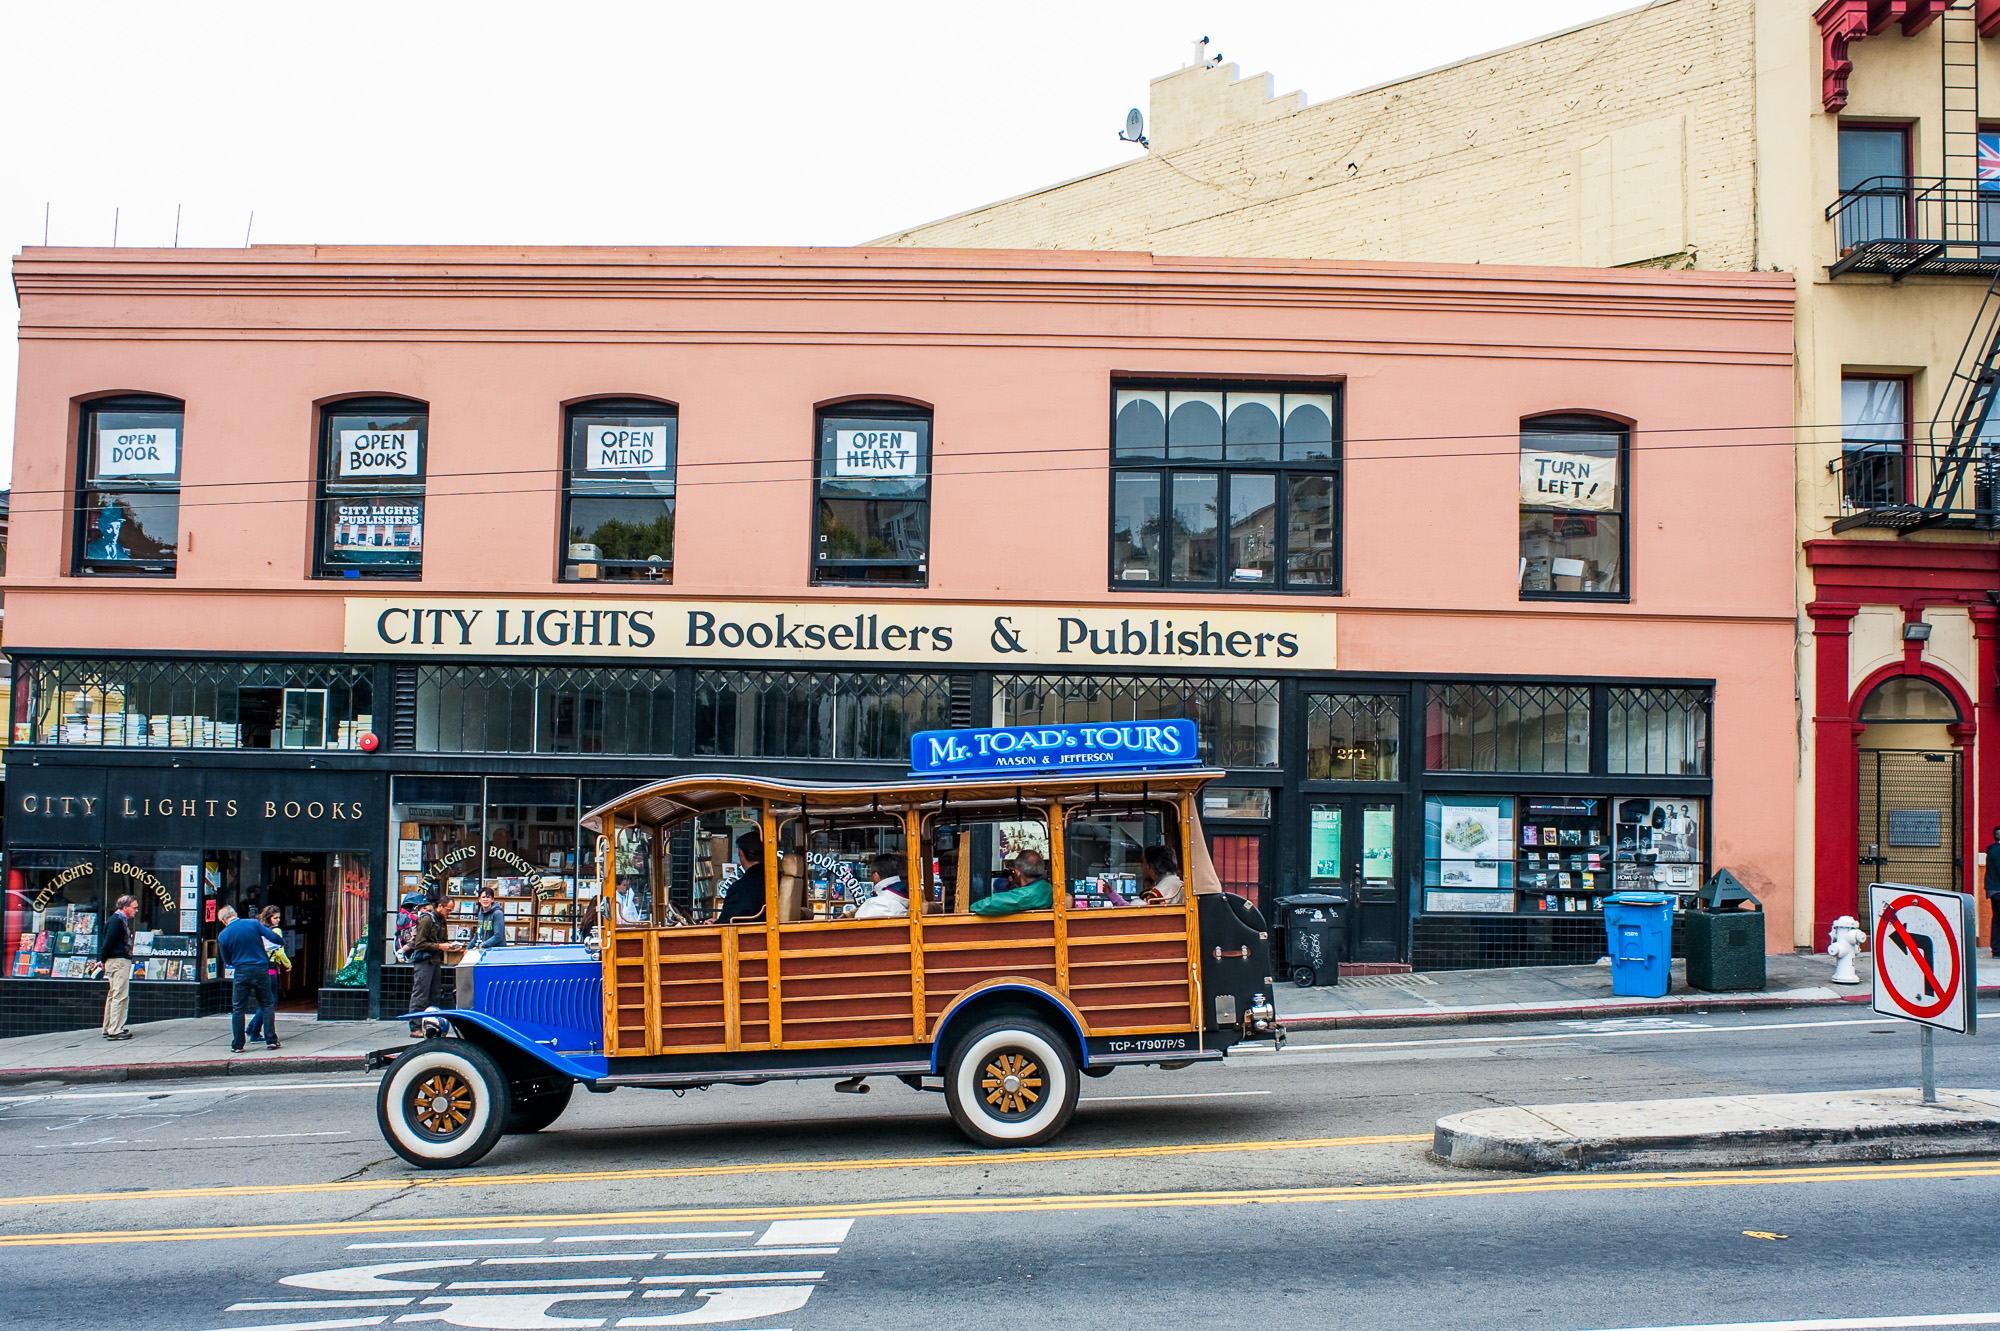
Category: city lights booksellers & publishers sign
[842,633]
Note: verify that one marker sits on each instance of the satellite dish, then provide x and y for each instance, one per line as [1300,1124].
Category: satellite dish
[1135,128]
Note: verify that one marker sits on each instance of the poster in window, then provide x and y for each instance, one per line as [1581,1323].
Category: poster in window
[1378,845]
[1469,846]
[1326,843]
[371,532]
[1569,480]
[877,453]
[627,447]
[365,453]
[138,451]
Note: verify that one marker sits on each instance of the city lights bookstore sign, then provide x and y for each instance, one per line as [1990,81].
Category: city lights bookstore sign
[889,633]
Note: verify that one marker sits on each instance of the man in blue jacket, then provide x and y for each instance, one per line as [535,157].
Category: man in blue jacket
[241,944]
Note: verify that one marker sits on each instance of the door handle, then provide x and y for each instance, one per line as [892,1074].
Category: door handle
[1241,953]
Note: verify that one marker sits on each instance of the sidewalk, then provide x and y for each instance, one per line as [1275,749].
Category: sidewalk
[1529,993]
[194,1047]
[199,1046]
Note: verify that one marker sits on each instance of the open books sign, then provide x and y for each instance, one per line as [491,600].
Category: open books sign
[1110,746]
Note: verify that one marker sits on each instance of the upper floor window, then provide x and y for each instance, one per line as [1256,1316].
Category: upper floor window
[372,465]
[1875,432]
[128,511]
[1875,167]
[618,498]
[1226,486]
[872,494]
[1573,482]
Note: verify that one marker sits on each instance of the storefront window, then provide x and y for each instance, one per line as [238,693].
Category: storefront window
[55,907]
[1875,436]
[1225,487]
[128,508]
[521,709]
[1659,732]
[194,704]
[1507,728]
[619,500]
[372,469]
[1353,737]
[1572,508]
[972,857]
[773,714]
[1236,719]
[872,488]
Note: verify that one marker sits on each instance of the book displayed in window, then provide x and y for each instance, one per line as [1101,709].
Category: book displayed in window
[372,476]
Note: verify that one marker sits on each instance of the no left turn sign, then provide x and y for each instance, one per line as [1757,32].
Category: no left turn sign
[1923,959]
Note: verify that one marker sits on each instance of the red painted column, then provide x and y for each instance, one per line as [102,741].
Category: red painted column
[1834,796]
[1986,749]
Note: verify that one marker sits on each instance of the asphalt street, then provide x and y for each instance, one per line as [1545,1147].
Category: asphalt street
[1277,1188]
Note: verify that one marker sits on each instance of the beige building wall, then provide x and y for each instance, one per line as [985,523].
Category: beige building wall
[1684,133]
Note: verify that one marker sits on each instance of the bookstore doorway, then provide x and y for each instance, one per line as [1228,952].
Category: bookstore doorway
[322,903]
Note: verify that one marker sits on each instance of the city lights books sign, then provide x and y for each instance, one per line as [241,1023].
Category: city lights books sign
[842,633]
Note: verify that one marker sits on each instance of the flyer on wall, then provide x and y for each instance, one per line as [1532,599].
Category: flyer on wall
[1470,846]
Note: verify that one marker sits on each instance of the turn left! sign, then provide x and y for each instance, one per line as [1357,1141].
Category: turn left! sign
[1924,955]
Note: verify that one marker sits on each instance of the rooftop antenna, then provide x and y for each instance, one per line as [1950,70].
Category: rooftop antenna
[114,228]
[177,226]
[45,226]
[246,228]
[1135,128]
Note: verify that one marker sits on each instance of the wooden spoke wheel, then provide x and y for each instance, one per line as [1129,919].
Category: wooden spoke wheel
[443,1104]
[1011,1081]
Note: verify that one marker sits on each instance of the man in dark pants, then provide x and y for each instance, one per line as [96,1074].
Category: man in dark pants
[427,958]
[743,903]
[1993,890]
[241,944]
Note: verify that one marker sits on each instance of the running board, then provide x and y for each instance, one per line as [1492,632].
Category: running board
[753,1076]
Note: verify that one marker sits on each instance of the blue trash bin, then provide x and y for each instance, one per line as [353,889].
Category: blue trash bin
[1639,928]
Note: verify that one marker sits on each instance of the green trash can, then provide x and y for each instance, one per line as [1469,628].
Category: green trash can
[1725,941]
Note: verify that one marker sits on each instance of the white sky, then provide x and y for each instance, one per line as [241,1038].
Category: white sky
[608,122]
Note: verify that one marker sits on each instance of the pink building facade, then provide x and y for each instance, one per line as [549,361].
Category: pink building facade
[350,573]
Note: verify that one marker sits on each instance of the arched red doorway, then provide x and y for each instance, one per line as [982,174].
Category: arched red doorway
[1912,804]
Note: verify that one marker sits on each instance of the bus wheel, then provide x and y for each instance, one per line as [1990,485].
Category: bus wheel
[532,1113]
[443,1104]
[1011,1082]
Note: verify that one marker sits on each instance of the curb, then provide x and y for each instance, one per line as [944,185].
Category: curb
[1637,1007]
[1465,1141]
[214,1067]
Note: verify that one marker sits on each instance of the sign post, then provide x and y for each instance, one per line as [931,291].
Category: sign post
[1924,963]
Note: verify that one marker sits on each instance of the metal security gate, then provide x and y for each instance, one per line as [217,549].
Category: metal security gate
[1912,823]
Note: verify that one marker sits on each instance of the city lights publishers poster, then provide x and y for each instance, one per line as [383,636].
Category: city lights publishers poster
[1469,846]
[378,532]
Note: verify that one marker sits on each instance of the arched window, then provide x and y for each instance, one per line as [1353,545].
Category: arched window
[373,460]
[872,494]
[1909,699]
[128,511]
[1574,542]
[618,496]
[1226,487]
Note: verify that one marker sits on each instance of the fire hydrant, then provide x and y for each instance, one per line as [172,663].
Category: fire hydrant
[1843,944]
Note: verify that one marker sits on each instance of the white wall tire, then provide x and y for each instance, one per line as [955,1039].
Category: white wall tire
[1011,1081]
[443,1104]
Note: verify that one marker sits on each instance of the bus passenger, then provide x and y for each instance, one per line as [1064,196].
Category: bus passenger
[892,896]
[1159,884]
[1031,890]
[743,903]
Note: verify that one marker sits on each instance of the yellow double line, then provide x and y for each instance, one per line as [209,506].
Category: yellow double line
[982,1159]
[1013,1205]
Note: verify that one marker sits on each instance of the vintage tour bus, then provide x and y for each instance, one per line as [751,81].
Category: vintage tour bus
[1031,906]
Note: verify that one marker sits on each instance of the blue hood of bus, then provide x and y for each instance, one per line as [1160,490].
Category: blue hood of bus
[547,996]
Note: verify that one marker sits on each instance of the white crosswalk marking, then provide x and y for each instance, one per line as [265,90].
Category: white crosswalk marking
[357,1279]
[740,1303]
[805,1231]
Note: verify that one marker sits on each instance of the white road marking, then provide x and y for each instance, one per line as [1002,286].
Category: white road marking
[573,1282]
[628,1238]
[508,1310]
[265,1136]
[444,1243]
[805,1231]
[568,1257]
[1838,1323]
[372,1279]
[748,1252]
[192,1090]
[1188,1095]
[1329,1046]
[275,1305]
[741,1304]
[713,1278]
[376,1320]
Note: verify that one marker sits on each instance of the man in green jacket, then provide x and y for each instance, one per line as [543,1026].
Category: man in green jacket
[1031,890]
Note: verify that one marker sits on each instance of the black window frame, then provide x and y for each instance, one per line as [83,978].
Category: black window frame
[330,491]
[1285,472]
[1581,423]
[81,564]
[826,571]
[655,572]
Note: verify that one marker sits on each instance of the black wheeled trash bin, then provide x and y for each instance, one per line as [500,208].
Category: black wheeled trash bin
[1315,936]
[1725,937]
